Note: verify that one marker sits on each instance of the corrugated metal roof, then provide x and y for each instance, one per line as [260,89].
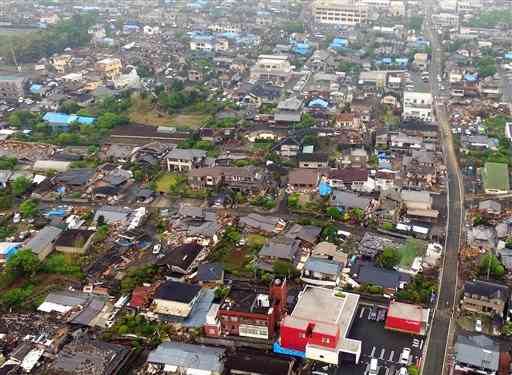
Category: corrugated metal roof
[188,356]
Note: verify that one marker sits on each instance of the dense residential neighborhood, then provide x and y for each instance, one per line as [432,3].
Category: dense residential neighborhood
[221,187]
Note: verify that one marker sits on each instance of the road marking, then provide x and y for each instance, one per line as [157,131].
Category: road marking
[362,312]
[421,345]
[391,356]
[373,351]
[382,353]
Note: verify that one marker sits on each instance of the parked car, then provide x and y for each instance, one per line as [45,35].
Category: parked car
[374,367]
[157,248]
[404,357]
[373,314]
[381,316]
[478,325]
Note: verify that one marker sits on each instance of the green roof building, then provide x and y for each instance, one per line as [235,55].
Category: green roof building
[496,178]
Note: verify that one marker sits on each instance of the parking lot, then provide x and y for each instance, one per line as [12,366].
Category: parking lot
[379,343]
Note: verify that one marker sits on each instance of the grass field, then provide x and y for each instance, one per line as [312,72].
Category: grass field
[168,181]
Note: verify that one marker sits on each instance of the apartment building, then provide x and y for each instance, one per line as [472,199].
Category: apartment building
[11,86]
[340,12]
[110,67]
[484,297]
[417,105]
[274,68]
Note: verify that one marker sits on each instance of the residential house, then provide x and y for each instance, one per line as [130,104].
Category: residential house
[418,204]
[43,242]
[346,200]
[289,110]
[490,207]
[349,178]
[75,241]
[321,272]
[182,260]
[421,61]
[183,160]
[289,148]
[372,244]
[329,251]
[182,358]
[174,300]
[244,362]
[314,160]
[482,237]
[263,224]
[210,274]
[369,274]
[476,354]
[307,234]
[278,248]
[249,312]
[244,179]
[485,297]
[301,179]
[348,120]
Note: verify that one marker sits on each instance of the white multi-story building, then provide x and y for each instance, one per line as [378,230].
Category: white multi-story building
[446,19]
[274,68]
[202,44]
[417,105]
[341,12]
[225,27]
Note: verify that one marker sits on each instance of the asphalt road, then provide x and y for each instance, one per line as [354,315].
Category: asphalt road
[436,352]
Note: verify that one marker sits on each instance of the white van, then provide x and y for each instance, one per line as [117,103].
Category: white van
[374,366]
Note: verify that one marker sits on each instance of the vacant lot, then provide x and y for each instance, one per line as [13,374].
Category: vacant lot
[168,181]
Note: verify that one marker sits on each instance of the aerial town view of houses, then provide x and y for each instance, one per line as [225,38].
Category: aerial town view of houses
[269,187]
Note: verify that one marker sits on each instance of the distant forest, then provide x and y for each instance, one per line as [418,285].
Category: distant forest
[30,47]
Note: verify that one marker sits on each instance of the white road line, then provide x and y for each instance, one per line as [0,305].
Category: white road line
[362,312]
[373,351]
[382,353]
[391,356]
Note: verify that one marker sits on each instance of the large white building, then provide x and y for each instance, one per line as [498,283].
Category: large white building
[417,105]
[340,12]
[274,68]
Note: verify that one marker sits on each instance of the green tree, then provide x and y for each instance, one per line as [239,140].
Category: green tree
[8,163]
[16,297]
[110,120]
[24,263]
[330,233]
[29,207]
[486,66]
[333,213]
[69,107]
[506,330]
[232,234]
[284,268]
[294,200]
[20,185]
[490,265]
[389,258]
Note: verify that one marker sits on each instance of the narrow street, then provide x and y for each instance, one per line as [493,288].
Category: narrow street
[434,363]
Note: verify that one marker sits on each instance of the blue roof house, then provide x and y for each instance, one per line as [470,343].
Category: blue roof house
[338,43]
[402,61]
[36,89]
[8,249]
[62,121]
[301,48]
[318,103]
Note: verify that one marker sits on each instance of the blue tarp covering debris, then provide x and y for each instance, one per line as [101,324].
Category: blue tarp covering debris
[339,43]
[324,189]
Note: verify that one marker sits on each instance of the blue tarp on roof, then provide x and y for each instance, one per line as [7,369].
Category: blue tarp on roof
[56,213]
[471,77]
[402,61]
[386,60]
[301,48]
[294,353]
[508,55]
[63,119]
[318,102]
[36,89]
[324,189]
[339,43]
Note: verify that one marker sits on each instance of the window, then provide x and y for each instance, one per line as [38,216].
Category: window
[326,340]
[233,318]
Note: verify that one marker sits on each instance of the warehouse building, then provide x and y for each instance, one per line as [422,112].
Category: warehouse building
[404,317]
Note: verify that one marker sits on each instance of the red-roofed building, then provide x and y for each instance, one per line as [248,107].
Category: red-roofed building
[408,318]
[141,297]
